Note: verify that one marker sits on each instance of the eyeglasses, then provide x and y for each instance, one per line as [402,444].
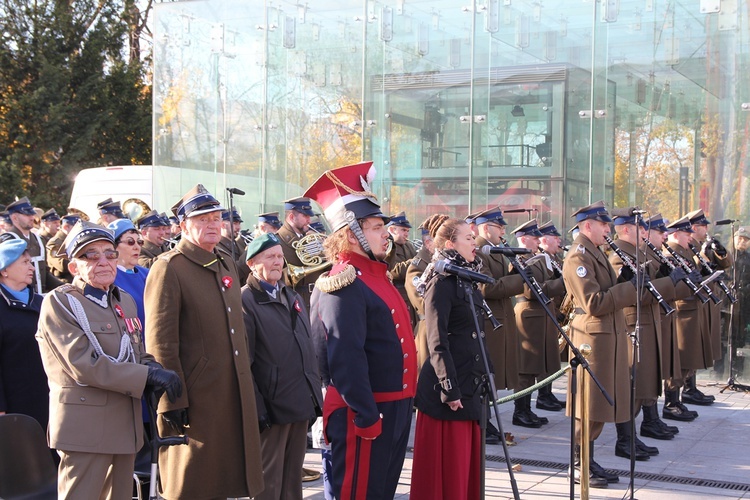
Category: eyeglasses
[94,256]
[130,242]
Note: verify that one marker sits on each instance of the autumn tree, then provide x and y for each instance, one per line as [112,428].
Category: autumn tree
[71,95]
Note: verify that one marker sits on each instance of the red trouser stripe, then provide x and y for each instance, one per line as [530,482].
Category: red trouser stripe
[357,472]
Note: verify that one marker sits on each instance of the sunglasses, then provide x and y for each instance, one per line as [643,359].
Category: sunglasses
[130,242]
[95,256]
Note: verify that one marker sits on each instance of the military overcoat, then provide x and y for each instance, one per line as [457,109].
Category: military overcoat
[502,344]
[600,322]
[196,328]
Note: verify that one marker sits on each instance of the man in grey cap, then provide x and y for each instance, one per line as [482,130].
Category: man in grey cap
[22,216]
[90,340]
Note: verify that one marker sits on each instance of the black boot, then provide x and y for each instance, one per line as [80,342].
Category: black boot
[545,400]
[522,414]
[651,451]
[594,481]
[674,410]
[691,394]
[652,426]
[599,471]
[622,447]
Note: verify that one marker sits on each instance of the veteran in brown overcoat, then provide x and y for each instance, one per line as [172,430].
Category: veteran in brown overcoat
[196,328]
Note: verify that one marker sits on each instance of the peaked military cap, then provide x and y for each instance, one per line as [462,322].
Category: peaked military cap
[624,216]
[399,220]
[657,223]
[528,228]
[22,206]
[549,229]
[595,211]
[493,214]
[110,207]
[197,201]
[50,215]
[698,218]
[301,204]
[271,218]
[83,233]
[235,215]
[681,224]
[152,219]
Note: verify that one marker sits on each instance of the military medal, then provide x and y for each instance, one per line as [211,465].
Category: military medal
[227,281]
[297,306]
[119,311]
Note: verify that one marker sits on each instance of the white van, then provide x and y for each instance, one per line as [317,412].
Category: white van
[161,187]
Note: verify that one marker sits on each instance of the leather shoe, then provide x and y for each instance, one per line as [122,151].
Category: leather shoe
[594,481]
[491,439]
[686,410]
[623,450]
[599,471]
[674,412]
[544,402]
[696,398]
[526,419]
[669,428]
[652,429]
[651,451]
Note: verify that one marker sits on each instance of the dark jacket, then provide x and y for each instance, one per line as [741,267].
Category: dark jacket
[23,382]
[455,369]
[285,368]
[149,254]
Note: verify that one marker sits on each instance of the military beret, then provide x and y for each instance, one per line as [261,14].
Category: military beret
[261,243]
[120,227]
[11,251]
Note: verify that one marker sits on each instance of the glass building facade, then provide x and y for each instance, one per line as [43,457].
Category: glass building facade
[539,106]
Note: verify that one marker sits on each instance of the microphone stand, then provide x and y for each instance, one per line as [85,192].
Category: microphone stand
[489,381]
[578,360]
[731,384]
[231,192]
[635,337]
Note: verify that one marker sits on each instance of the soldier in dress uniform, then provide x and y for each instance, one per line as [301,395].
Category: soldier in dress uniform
[22,217]
[152,227]
[691,329]
[599,297]
[90,339]
[49,223]
[416,268]
[399,257]
[370,345]
[57,259]
[196,327]
[537,333]
[297,214]
[718,258]
[109,211]
[652,425]
[269,223]
[5,223]
[650,348]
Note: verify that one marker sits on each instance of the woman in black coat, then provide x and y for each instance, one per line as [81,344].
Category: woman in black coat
[23,382]
[447,442]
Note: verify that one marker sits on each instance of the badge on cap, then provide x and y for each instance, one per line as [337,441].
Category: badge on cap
[581,272]
[227,281]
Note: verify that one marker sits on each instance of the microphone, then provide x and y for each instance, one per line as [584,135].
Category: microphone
[442,266]
[236,191]
[519,210]
[724,222]
[507,251]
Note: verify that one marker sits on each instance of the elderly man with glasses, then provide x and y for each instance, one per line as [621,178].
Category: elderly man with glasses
[90,339]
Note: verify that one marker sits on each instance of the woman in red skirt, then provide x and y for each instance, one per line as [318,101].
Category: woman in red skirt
[447,442]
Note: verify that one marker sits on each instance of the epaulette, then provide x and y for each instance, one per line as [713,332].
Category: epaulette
[65,288]
[416,261]
[328,283]
[168,255]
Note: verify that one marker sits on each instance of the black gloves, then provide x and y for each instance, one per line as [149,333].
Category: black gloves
[677,275]
[695,276]
[665,270]
[162,380]
[626,274]
[264,422]
[720,250]
[556,274]
[177,419]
